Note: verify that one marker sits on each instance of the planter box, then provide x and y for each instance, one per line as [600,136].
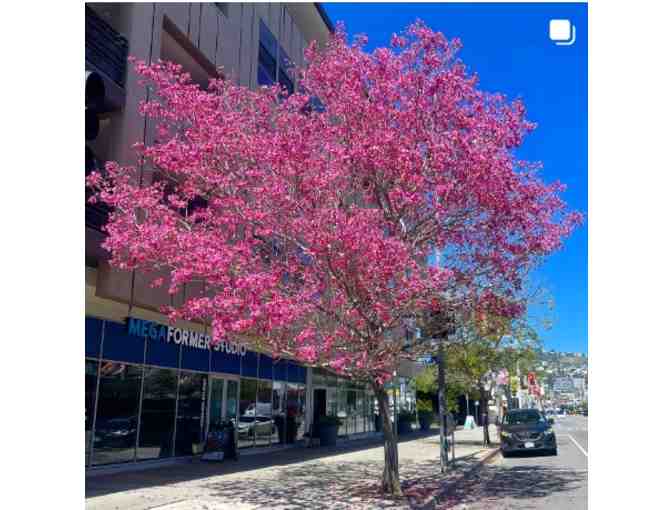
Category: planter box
[404,427]
[328,435]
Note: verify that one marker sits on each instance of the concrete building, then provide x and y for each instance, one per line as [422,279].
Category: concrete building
[153,389]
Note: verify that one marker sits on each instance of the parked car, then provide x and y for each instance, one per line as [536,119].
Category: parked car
[247,425]
[527,430]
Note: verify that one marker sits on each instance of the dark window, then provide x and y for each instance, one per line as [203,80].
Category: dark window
[190,413]
[523,417]
[157,420]
[274,64]
[117,416]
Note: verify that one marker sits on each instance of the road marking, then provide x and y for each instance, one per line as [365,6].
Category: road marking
[577,445]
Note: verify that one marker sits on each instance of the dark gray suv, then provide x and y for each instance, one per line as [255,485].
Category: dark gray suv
[527,430]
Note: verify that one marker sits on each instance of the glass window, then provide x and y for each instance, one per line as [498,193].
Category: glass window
[360,415]
[296,412]
[264,426]
[343,411]
[247,409]
[117,414]
[216,404]
[91,378]
[191,413]
[279,412]
[352,411]
[157,419]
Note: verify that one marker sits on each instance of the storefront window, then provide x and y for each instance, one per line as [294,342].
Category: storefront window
[343,411]
[117,415]
[279,412]
[360,416]
[90,394]
[296,412]
[248,399]
[157,419]
[264,425]
[352,411]
[191,413]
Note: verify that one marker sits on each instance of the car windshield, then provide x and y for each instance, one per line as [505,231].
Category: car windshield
[520,418]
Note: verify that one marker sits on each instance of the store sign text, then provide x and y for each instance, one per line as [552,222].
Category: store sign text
[178,336]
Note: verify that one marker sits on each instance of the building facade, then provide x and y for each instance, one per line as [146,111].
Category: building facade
[153,389]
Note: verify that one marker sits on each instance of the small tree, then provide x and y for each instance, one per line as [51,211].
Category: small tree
[308,223]
[485,345]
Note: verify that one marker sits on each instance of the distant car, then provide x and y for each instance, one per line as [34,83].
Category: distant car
[527,430]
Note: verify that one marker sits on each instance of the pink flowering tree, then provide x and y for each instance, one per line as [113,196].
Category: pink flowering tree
[308,220]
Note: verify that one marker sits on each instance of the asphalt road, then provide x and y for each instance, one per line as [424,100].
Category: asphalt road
[535,482]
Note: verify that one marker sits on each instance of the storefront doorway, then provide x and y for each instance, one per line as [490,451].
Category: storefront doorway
[224,394]
[319,404]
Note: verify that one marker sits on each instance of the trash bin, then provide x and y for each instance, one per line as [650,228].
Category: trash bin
[222,442]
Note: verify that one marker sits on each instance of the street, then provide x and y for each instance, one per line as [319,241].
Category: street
[535,482]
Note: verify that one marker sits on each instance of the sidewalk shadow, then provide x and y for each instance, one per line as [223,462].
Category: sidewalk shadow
[158,476]
[495,482]
[334,486]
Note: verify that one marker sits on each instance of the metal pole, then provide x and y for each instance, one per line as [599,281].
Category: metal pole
[442,408]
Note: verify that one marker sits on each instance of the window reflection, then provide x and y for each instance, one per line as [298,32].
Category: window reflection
[158,413]
[279,412]
[117,415]
[247,410]
[296,412]
[264,425]
[343,411]
[90,394]
[191,413]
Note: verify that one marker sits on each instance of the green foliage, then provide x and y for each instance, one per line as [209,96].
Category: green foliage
[426,381]
[425,407]
[406,416]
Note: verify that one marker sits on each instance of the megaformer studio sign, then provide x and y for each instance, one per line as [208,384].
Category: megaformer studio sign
[179,336]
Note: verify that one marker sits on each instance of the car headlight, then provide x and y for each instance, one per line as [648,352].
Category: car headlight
[506,434]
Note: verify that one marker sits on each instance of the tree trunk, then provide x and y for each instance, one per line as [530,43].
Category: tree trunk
[391,483]
[485,419]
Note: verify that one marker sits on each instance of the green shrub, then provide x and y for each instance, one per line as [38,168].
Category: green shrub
[425,407]
[406,416]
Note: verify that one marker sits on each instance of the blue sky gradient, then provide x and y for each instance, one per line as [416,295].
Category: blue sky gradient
[508,46]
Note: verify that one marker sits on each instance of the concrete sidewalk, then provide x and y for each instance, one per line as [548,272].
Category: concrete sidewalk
[345,476]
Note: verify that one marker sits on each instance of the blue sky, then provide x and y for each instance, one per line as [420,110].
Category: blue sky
[508,46]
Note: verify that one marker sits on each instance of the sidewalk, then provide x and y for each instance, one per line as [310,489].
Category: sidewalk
[345,476]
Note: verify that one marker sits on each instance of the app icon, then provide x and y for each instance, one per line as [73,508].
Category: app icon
[562,32]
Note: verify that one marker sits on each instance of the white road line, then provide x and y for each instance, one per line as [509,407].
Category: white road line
[577,445]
